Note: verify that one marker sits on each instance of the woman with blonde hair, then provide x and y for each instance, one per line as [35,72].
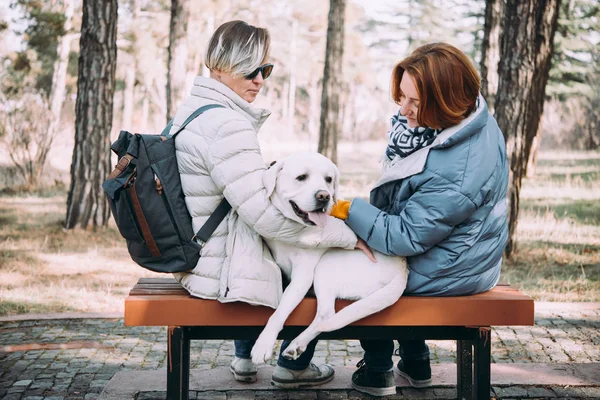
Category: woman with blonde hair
[219,156]
[440,202]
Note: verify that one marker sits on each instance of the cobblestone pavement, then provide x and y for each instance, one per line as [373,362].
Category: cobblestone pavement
[75,358]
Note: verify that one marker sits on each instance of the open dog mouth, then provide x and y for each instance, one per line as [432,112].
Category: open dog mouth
[317,217]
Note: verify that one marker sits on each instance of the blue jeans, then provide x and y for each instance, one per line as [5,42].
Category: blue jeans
[244,347]
[378,353]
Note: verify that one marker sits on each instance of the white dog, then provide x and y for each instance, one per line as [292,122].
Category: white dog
[303,187]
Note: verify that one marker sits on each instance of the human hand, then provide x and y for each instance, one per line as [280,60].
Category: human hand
[340,209]
[362,245]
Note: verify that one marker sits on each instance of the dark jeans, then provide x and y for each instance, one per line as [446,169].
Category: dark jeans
[244,347]
[378,353]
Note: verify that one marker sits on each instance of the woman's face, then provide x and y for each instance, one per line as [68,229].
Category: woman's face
[247,89]
[409,100]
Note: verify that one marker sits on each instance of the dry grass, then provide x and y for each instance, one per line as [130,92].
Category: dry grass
[45,269]
[558,234]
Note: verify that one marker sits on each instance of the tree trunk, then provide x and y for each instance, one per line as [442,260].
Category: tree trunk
[210,28]
[292,92]
[131,70]
[490,50]
[57,94]
[313,108]
[332,81]
[128,98]
[527,45]
[177,55]
[145,110]
[86,204]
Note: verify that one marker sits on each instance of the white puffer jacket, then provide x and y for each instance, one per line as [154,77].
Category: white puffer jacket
[219,155]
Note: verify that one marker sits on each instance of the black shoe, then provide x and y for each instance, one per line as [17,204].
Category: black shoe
[372,382]
[417,372]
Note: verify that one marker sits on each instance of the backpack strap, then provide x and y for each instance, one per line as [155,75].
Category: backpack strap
[211,224]
[189,119]
[223,208]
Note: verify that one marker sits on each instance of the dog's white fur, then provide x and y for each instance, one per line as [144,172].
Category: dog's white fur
[336,273]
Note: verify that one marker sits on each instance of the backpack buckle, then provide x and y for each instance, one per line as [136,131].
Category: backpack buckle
[198,243]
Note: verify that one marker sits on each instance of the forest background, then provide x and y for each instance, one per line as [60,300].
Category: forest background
[46,268]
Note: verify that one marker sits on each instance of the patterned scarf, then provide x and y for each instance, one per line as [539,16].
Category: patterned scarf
[403,140]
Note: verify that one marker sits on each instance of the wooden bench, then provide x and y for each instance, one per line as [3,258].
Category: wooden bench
[467,319]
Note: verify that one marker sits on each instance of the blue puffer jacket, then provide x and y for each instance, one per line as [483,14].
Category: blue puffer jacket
[444,208]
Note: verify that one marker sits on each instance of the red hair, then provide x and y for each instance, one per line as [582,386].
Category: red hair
[446,80]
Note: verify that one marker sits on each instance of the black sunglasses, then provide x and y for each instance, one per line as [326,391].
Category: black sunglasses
[265,70]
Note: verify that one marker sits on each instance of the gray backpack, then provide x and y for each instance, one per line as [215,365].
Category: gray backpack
[148,204]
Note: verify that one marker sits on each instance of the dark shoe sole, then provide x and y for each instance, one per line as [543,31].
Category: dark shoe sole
[295,384]
[419,384]
[386,391]
[248,377]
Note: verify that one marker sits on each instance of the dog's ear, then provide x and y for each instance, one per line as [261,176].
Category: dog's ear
[270,176]
[336,183]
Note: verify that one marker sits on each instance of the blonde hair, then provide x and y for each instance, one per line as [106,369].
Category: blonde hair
[237,48]
[446,80]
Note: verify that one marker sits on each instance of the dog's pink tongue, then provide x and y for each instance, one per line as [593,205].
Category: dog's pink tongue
[319,218]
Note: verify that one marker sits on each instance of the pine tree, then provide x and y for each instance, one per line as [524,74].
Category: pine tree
[332,84]
[86,203]
[525,56]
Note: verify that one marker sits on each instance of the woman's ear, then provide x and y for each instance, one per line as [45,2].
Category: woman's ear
[216,75]
[270,176]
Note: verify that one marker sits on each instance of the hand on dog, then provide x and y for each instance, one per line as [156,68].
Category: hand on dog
[340,209]
[361,244]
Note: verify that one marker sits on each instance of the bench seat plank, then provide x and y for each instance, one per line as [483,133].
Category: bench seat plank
[162,302]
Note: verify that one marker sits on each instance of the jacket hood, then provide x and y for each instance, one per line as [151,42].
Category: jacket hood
[215,91]
[415,163]
[467,127]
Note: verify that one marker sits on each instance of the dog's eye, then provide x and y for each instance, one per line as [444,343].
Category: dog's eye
[301,177]
[328,179]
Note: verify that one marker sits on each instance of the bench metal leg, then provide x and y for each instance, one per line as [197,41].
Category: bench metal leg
[178,367]
[464,369]
[483,355]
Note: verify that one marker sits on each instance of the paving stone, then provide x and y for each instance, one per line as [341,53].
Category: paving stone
[445,393]
[151,395]
[271,395]
[540,392]
[211,396]
[332,395]
[240,395]
[22,383]
[511,391]
[12,396]
[558,336]
[302,395]
[410,393]
[579,392]
[356,395]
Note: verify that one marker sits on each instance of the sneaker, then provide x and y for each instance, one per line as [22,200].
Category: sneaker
[373,382]
[314,375]
[417,372]
[243,370]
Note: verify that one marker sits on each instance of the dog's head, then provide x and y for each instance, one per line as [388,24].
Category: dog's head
[303,186]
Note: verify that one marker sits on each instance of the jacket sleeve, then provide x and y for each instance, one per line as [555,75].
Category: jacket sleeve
[428,218]
[236,165]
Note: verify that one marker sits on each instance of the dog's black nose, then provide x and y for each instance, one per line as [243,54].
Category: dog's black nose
[322,196]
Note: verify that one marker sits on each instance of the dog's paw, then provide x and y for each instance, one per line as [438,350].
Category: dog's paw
[262,351]
[294,351]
